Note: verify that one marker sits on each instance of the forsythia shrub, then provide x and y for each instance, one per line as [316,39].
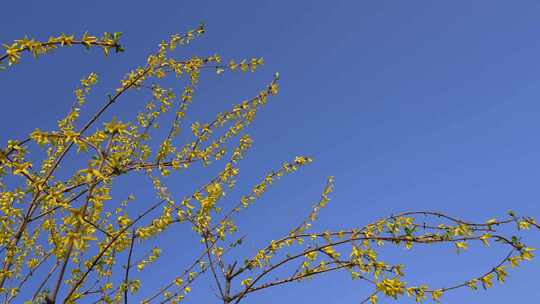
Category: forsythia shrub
[61,239]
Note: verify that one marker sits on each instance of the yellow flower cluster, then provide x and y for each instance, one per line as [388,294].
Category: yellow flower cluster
[391,287]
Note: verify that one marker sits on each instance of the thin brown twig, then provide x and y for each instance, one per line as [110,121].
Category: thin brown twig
[128,267]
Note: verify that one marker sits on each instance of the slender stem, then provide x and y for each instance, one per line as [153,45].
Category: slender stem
[210,261]
[128,267]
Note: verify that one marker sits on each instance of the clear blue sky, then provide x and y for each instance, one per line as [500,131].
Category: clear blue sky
[409,104]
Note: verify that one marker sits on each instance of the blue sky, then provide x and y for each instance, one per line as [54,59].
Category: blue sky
[411,105]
